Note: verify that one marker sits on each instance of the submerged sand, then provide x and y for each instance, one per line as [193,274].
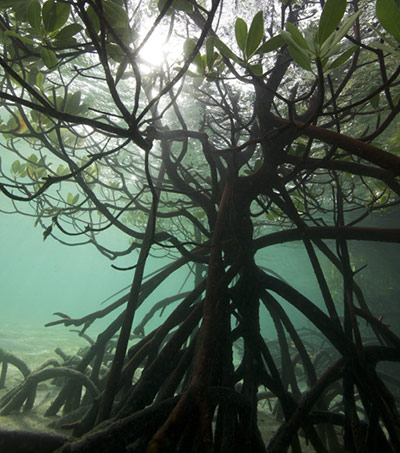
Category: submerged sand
[36,344]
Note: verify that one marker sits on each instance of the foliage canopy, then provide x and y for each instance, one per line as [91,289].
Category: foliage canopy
[212,132]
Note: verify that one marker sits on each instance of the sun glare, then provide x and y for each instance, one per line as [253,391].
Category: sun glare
[156,50]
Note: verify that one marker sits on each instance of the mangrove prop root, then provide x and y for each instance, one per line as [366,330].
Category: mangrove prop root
[29,385]
[5,358]
[29,442]
[114,436]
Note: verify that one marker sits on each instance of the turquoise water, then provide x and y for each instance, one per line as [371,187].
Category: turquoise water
[38,278]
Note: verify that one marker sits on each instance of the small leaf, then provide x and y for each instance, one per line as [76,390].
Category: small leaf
[115,52]
[94,19]
[70,198]
[180,5]
[39,79]
[68,31]
[331,16]
[210,53]
[21,38]
[225,50]
[342,58]
[18,6]
[300,58]
[332,51]
[47,232]
[73,101]
[15,167]
[300,149]
[273,43]
[288,38]
[183,5]
[297,36]
[49,58]
[188,48]
[115,15]
[388,14]
[62,171]
[55,14]
[256,69]
[121,71]
[4,4]
[384,47]
[37,220]
[338,35]
[33,14]
[375,100]
[241,33]
[255,35]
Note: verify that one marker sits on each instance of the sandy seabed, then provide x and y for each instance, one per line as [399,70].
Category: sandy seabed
[36,344]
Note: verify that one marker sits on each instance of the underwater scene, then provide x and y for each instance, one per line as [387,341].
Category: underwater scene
[199,226]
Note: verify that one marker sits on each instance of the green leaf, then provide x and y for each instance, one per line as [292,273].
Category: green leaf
[210,53]
[55,14]
[62,171]
[341,59]
[188,47]
[115,15]
[33,158]
[255,35]
[94,19]
[180,5]
[375,101]
[256,69]
[334,50]
[384,47]
[47,232]
[300,58]
[338,35]
[299,151]
[331,16]
[298,38]
[70,198]
[18,7]
[241,33]
[37,220]
[121,70]
[388,14]
[288,38]
[4,4]
[68,31]
[73,102]
[183,5]
[273,43]
[21,38]
[33,14]
[39,79]
[115,52]
[49,58]
[225,50]
[15,167]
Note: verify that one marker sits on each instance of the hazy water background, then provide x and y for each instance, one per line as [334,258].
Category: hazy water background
[38,278]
